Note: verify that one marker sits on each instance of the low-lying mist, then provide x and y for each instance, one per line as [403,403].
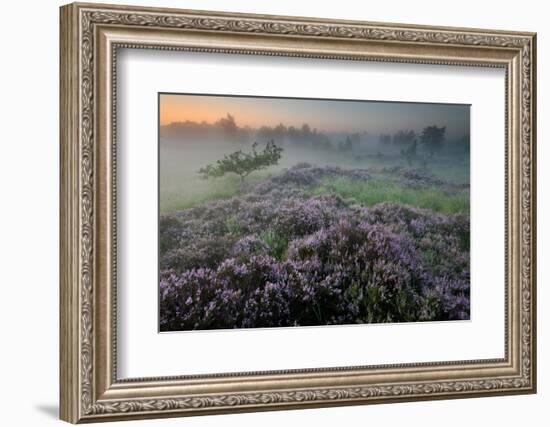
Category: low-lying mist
[188,146]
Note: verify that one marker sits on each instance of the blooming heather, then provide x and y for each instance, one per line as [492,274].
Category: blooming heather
[276,255]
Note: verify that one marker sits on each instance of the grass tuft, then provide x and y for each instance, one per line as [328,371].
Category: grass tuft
[369,193]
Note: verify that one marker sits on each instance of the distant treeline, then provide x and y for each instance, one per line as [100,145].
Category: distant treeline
[430,140]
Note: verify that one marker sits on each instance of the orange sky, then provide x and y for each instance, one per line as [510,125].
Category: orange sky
[247,112]
[323,115]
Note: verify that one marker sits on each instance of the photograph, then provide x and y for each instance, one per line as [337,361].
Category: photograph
[269,210]
[290,212]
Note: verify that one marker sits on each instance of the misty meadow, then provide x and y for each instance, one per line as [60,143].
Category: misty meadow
[282,212]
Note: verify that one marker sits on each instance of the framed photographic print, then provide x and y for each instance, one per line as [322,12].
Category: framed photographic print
[265,212]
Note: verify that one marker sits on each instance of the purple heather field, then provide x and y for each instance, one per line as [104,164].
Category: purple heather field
[334,229]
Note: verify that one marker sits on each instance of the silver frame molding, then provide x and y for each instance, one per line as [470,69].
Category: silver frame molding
[90,37]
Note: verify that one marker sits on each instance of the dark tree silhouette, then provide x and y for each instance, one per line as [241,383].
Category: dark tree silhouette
[384,138]
[404,138]
[228,123]
[243,164]
[410,152]
[346,145]
[433,137]
[229,127]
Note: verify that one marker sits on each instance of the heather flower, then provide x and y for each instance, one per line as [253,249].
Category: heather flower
[277,256]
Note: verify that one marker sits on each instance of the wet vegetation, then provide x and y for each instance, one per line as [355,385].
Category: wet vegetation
[306,228]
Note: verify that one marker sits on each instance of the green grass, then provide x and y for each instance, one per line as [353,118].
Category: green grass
[377,191]
[200,190]
[276,243]
[203,192]
[181,186]
[456,173]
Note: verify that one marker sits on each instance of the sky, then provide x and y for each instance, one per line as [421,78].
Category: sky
[324,115]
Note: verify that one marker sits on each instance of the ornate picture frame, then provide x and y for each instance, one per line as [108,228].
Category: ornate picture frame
[90,37]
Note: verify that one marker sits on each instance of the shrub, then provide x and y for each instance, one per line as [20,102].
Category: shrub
[276,256]
[201,252]
[378,272]
[243,164]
